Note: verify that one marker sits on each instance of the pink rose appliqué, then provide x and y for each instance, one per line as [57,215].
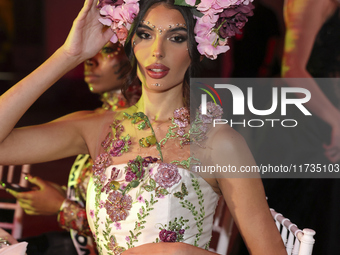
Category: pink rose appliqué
[167,175]
[117,205]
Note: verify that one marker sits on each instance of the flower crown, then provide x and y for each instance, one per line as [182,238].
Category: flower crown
[217,20]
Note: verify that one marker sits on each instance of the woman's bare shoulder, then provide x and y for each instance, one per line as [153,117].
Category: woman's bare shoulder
[226,138]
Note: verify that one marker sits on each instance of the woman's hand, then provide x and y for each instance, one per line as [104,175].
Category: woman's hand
[167,248]
[7,236]
[45,200]
[87,35]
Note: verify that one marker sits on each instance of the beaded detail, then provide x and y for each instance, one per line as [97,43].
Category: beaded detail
[161,29]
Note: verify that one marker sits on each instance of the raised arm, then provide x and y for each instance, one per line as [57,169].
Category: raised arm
[42,143]
[301,31]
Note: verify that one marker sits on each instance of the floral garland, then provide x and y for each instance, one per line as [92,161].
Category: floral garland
[118,15]
[217,20]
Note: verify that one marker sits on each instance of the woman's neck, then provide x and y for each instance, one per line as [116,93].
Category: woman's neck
[160,106]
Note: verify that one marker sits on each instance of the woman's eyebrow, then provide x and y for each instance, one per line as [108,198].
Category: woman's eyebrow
[146,27]
[178,29]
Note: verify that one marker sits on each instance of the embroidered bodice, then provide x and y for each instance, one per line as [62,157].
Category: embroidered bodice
[142,190]
[167,206]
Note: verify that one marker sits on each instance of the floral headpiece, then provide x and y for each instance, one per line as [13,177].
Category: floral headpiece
[217,20]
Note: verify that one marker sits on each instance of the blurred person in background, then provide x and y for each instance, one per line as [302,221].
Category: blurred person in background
[104,73]
[311,50]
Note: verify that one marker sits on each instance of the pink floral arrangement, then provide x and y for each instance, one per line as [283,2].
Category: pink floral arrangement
[119,15]
[217,20]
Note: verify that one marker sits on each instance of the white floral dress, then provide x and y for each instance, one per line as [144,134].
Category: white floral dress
[147,200]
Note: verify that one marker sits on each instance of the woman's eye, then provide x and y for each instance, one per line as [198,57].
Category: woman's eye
[178,38]
[143,35]
[107,50]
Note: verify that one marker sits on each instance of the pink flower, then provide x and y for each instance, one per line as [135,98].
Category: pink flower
[101,163]
[117,148]
[92,213]
[118,226]
[209,42]
[122,34]
[130,11]
[127,238]
[167,175]
[109,2]
[224,3]
[119,16]
[205,23]
[140,199]
[190,2]
[212,6]
[206,46]
[117,206]
[181,132]
[123,186]
[101,204]
[181,117]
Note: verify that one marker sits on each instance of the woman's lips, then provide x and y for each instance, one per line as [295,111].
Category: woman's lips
[91,77]
[157,71]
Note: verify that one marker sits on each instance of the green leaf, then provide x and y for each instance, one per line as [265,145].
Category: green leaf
[164,192]
[134,168]
[153,183]
[182,3]
[134,183]
[196,13]
[148,188]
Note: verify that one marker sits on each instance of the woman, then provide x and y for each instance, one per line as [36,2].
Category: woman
[104,74]
[130,205]
[310,51]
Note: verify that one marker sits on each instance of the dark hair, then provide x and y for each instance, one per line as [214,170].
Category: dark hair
[194,67]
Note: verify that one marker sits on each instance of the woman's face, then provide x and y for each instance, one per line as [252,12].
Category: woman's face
[104,71]
[162,57]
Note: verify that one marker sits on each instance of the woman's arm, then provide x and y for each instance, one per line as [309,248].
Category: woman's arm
[42,143]
[245,195]
[301,31]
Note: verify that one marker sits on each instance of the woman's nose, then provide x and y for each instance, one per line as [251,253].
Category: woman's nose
[92,61]
[158,48]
